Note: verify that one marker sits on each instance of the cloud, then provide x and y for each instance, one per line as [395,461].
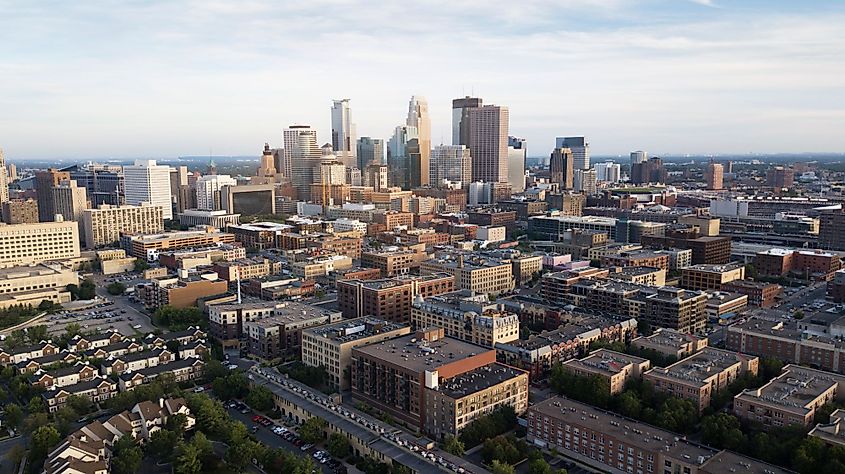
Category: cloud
[169,78]
[706,3]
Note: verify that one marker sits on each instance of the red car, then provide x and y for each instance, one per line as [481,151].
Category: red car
[256,418]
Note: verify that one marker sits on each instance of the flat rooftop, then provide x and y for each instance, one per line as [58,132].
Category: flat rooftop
[12,273]
[668,338]
[605,361]
[701,366]
[478,380]
[641,435]
[291,312]
[350,330]
[795,388]
[182,234]
[419,355]
[715,268]
[386,283]
[263,227]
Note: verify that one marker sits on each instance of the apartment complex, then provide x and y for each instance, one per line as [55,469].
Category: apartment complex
[474,273]
[612,443]
[148,246]
[711,277]
[759,293]
[259,235]
[104,225]
[707,249]
[637,258]
[20,211]
[809,264]
[671,343]
[702,374]
[180,292]
[281,333]
[466,316]
[616,368]
[649,276]
[393,262]
[792,398]
[330,346]
[389,299]
[460,400]
[395,377]
[188,259]
[34,243]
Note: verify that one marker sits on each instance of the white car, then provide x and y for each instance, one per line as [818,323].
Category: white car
[232,366]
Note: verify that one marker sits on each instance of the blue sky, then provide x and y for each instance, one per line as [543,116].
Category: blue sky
[101,79]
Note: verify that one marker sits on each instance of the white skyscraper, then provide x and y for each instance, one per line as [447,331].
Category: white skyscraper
[638,157]
[209,191]
[488,143]
[343,130]
[585,181]
[580,151]
[608,171]
[452,162]
[418,118]
[146,181]
[302,155]
[517,150]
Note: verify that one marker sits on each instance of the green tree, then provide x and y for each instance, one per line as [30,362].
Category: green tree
[231,386]
[14,415]
[260,398]
[36,405]
[453,445]
[87,290]
[116,288]
[539,466]
[188,460]
[73,289]
[338,446]
[126,456]
[202,445]
[161,444]
[35,421]
[81,405]
[41,442]
[141,265]
[498,467]
[36,334]
[177,424]
[238,455]
[313,430]
[722,430]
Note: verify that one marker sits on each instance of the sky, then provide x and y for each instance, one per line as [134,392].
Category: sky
[124,79]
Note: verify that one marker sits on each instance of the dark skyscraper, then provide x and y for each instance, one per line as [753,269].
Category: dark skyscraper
[460,118]
[561,167]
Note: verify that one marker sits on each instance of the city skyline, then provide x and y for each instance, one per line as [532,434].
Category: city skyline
[163,80]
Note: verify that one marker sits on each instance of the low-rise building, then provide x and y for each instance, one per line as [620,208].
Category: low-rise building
[246,268]
[649,276]
[135,361]
[639,258]
[95,389]
[259,235]
[24,353]
[460,400]
[702,374]
[63,377]
[180,291]
[320,266]
[30,285]
[466,316]
[330,346]
[792,398]
[281,333]
[723,307]
[189,259]
[711,277]
[148,246]
[389,298]
[832,432]
[183,370]
[526,267]
[395,261]
[81,343]
[610,442]
[615,367]
[759,293]
[671,343]
[474,273]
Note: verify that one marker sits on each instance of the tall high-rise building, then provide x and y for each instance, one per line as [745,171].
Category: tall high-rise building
[418,118]
[104,225]
[353,176]
[780,177]
[302,155]
[209,191]
[651,171]
[517,154]
[370,151]
[4,178]
[149,182]
[266,168]
[376,177]
[180,188]
[343,130]
[584,181]
[20,211]
[608,172]
[638,156]
[398,160]
[70,201]
[460,118]
[13,171]
[451,162]
[580,150]
[561,168]
[45,182]
[714,173]
[488,143]
[104,183]
[331,172]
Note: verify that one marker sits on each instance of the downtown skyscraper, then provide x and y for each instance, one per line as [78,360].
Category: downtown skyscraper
[419,162]
[580,150]
[488,143]
[343,133]
[301,156]
[370,151]
[149,182]
[460,118]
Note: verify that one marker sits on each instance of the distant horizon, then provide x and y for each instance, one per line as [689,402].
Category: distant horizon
[166,79]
